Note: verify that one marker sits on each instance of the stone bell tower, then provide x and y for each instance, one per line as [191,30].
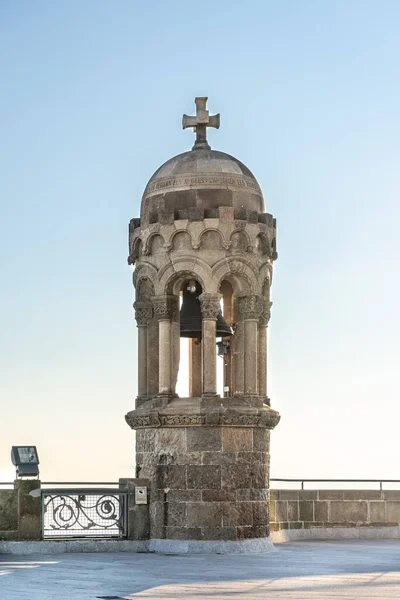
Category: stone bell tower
[203,250]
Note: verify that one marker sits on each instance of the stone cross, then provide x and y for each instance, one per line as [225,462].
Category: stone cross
[200,122]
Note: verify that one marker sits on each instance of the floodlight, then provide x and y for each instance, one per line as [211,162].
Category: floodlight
[26,459]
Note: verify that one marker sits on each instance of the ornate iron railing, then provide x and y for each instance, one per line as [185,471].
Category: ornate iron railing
[84,512]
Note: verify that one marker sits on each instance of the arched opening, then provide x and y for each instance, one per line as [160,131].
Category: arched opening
[189,382]
[224,344]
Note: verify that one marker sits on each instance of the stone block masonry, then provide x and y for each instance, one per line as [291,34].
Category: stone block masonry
[208,483]
[332,509]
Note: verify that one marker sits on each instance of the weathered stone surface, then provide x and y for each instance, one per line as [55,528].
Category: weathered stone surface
[145,440]
[293,510]
[204,514]
[184,495]
[176,514]
[377,512]
[219,458]
[254,531]
[225,495]
[289,495]
[252,494]
[29,510]
[204,439]
[281,511]
[306,508]
[238,477]
[218,533]
[183,533]
[393,512]
[204,477]
[261,439]
[349,511]
[171,476]
[362,494]
[8,510]
[330,494]
[170,440]
[238,513]
[237,439]
[260,513]
[321,511]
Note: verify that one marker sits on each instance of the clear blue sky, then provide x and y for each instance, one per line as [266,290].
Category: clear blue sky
[91,100]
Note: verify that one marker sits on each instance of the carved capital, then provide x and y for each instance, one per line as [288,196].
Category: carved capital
[210,305]
[266,314]
[165,307]
[251,307]
[143,313]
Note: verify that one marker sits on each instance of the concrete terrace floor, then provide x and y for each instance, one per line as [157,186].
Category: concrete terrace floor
[297,570]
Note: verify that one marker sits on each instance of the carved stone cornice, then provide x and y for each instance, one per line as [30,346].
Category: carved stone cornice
[223,417]
[251,307]
[210,305]
[165,307]
[265,315]
[143,313]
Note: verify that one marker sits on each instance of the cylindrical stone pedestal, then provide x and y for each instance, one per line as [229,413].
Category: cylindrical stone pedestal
[209,473]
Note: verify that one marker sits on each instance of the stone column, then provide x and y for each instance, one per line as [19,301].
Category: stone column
[251,308]
[237,352]
[210,307]
[164,308]
[195,387]
[143,313]
[262,349]
[175,342]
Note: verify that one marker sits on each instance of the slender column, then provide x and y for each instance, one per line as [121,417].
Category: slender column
[262,348]
[164,308]
[210,307]
[237,352]
[227,294]
[194,368]
[152,357]
[251,308]
[143,313]
[175,343]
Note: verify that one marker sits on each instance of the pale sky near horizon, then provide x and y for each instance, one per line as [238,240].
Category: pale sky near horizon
[92,95]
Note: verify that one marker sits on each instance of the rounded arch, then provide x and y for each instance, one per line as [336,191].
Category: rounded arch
[144,288]
[239,240]
[181,240]
[143,270]
[240,272]
[172,276]
[137,248]
[208,237]
[148,244]
[262,244]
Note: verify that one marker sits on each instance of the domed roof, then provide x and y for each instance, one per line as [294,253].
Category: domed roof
[202,178]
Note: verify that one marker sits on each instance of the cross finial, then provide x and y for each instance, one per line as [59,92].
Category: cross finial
[200,122]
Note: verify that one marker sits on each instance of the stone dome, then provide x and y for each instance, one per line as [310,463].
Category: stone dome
[203,179]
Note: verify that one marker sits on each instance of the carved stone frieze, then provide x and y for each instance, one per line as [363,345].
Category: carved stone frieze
[251,307]
[210,305]
[232,417]
[182,420]
[143,313]
[165,307]
[266,314]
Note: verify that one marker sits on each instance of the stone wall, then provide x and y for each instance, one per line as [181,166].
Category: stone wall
[302,510]
[8,514]
[20,514]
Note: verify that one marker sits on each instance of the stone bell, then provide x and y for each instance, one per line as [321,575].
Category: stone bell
[190,314]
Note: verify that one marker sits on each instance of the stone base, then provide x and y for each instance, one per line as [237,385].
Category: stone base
[254,546]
